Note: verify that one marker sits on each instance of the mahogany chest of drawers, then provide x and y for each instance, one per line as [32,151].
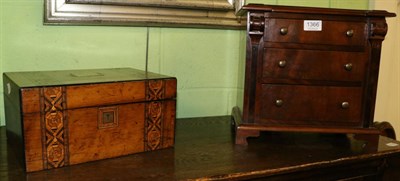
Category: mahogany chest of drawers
[60,118]
[310,69]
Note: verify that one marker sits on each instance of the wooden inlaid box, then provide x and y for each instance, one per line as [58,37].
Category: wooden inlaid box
[60,118]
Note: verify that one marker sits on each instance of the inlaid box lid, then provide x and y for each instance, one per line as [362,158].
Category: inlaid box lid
[84,76]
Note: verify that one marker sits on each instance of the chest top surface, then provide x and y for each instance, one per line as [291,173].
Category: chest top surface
[314,10]
[87,76]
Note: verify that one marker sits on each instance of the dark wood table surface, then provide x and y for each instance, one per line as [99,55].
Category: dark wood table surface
[205,150]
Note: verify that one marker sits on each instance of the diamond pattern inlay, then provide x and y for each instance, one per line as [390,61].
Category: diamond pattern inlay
[53,127]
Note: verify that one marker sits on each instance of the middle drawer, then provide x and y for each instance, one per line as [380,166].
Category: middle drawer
[313,65]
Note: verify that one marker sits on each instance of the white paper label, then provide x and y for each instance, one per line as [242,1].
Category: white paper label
[312,25]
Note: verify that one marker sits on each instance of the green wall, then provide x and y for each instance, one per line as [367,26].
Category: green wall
[208,63]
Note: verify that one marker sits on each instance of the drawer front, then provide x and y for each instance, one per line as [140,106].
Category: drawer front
[309,105]
[313,65]
[332,32]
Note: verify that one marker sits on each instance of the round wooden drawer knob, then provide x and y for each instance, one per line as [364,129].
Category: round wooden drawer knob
[348,66]
[345,105]
[279,102]
[282,63]
[349,33]
[284,31]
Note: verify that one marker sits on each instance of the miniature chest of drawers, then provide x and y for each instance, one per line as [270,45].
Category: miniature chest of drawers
[60,118]
[310,69]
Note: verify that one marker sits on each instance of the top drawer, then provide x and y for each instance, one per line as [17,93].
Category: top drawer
[331,33]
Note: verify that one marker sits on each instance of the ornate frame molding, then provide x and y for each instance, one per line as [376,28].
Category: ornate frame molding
[238,5]
[173,13]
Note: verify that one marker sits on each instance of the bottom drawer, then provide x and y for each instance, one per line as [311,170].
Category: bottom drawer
[309,105]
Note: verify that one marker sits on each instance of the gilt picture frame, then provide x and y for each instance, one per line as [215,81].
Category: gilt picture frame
[173,13]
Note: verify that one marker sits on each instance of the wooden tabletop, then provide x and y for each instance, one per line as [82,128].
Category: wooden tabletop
[205,150]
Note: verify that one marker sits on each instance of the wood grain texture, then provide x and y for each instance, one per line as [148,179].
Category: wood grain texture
[325,78]
[316,11]
[30,100]
[168,137]
[170,88]
[308,65]
[52,126]
[33,142]
[309,105]
[105,94]
[82,76]
[88,143]
[334,32]
[205,150]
